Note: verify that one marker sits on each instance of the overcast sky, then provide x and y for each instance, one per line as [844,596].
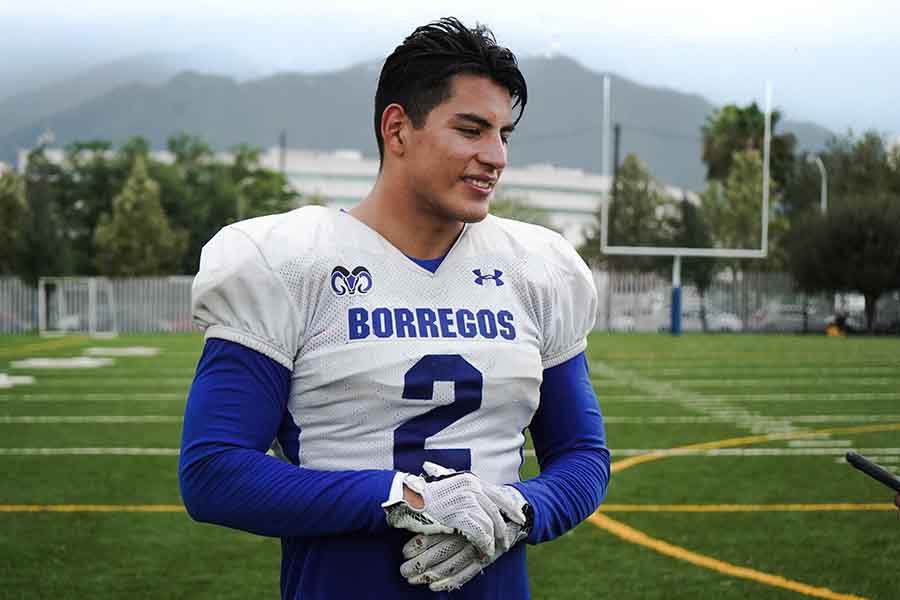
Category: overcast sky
[834,62]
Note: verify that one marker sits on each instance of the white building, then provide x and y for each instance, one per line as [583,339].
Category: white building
[571,197]
[343,178]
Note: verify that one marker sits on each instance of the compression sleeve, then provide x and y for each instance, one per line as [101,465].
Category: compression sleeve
[570,444]
[236,405]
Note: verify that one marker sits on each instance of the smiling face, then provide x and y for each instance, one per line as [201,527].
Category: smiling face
[453,162]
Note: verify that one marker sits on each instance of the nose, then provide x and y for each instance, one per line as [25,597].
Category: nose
[493,152]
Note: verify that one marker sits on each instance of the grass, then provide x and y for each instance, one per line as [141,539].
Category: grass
[656,391]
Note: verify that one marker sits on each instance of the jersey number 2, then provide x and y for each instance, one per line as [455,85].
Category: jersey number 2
[409,438]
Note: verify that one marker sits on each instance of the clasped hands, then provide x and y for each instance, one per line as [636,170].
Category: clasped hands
[463,525]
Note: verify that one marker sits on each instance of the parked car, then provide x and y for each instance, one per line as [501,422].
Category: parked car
[775,316]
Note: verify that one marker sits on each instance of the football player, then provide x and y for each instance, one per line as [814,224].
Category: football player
[398,352]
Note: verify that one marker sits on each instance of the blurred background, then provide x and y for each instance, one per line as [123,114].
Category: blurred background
[131,132]
[197,114]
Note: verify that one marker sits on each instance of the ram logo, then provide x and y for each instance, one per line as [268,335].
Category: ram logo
[345,282]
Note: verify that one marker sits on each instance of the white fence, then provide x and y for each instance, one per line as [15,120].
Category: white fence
[144,304]
[628,302]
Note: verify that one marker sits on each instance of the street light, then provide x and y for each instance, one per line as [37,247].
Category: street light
[823,202]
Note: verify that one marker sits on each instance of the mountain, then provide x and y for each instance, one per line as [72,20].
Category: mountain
[331,111]
[38,106]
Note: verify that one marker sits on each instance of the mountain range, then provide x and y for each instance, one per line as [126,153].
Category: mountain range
[149,96]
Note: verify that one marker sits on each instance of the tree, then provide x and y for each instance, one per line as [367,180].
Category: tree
[853,248]
[636,218]
[201,194]
[734,209]
[136,239]
[692,231]
[13,212]
[92,175]
[261,191]
[733,129]
[45,248]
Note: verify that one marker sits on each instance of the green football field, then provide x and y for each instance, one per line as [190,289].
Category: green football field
[728,475]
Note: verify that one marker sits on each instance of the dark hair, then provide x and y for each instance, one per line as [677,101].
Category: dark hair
[418,73]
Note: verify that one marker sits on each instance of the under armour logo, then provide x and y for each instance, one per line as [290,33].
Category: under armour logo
[480,278]
[344,282]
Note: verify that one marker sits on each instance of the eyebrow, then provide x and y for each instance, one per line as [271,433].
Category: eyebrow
[481,121]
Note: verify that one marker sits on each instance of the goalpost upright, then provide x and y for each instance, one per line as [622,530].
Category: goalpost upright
[677,253]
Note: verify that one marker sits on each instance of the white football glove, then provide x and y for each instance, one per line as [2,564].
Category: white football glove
[447,562]
[454,503]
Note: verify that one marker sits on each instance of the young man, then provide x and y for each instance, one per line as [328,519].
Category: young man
[413,336]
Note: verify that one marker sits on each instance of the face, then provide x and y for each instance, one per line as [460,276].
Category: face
[454,161]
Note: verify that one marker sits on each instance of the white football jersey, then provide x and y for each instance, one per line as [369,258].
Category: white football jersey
[392,364]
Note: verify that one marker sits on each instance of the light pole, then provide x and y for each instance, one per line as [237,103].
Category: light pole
[823,202]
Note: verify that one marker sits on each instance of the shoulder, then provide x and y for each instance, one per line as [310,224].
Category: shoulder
[540,248]
[278,238]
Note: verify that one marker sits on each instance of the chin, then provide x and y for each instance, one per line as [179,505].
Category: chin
[475,216]
[473,212]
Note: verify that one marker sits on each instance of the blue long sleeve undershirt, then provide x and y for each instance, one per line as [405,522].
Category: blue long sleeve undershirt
[238,404]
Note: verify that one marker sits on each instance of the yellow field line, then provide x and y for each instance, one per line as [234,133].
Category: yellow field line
[91,508]
[749,440]
[43,345]
[739,508]
[637,537]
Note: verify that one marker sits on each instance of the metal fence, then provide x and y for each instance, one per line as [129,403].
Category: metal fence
[627,302]
[96,305]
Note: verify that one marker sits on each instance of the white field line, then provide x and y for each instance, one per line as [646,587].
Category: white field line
[768,371]
[787,382]
[693,420]
[729,418]
[120,373]
[89,451]
[745,452]
[80,419]
[121,351]
[95,397]
[621,452]
[819,444]
[797,397]
[8,381]
[695,401]
[105,381]
[74,362]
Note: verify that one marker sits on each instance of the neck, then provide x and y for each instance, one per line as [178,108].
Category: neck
[400,218]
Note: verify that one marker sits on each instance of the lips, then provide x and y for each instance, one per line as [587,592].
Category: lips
[484,184]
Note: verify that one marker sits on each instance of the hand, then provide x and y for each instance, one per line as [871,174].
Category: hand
[447,562]
[452,503]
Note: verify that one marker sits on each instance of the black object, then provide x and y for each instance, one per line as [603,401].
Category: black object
[874,471]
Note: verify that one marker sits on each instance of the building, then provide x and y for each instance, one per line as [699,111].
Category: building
[570,197]
[343,178]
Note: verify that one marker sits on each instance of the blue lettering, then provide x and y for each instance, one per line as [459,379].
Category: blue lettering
[403,320]
[507,329]
[357,324]
[427,326]
[487,324]
[446,323]
[382,323]
[465,322]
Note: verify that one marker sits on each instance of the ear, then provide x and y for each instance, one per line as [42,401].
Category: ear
[394,126]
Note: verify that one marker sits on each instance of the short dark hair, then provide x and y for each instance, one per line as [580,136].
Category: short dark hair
[418,73]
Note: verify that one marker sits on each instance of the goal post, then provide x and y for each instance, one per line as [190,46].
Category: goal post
[678,253]
[83,305]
